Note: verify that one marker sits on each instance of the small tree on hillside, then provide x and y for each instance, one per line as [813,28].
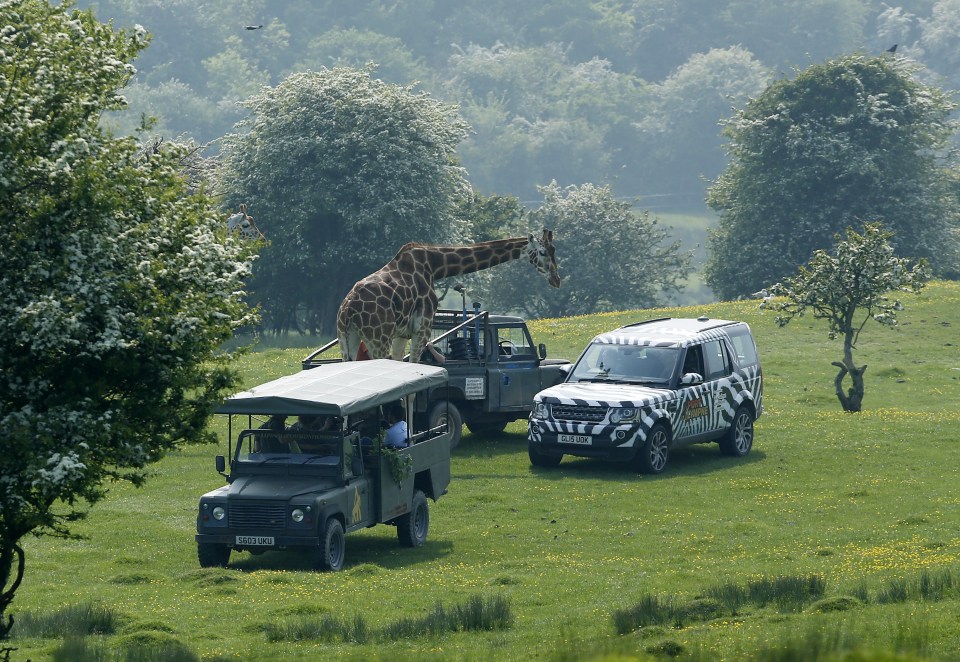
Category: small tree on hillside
[848,289]
[117,286]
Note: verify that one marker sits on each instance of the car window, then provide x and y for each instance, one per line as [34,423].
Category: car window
[515,340]
[626,363]
[715,361]
[744,346]
[693,361]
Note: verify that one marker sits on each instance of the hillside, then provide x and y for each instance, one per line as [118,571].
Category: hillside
[838,532]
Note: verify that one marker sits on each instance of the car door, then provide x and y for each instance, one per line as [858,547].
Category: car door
[698,418]
[515,376]
[716,380]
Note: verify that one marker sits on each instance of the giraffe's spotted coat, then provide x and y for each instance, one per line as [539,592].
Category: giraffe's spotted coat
[397,303]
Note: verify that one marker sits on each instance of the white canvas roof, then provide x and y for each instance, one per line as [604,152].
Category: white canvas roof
[336,389]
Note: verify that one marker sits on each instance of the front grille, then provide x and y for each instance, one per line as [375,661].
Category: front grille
[259,516]
[578,413]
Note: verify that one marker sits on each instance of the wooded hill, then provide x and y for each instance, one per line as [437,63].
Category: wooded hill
[626,93]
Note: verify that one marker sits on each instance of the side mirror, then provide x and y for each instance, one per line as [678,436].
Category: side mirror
[221,464]
[691,378]
[542,349]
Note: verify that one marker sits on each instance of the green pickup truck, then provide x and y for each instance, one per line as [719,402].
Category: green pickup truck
[494,371]
[304,486]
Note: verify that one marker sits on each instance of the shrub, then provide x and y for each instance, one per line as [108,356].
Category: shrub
[935,586]
[894,591]
[474,614]
[76,620]
[788,593]
[649,610]
[732,596]
[325,627]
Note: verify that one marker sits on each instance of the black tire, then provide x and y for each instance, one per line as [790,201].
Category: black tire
[413,527]
[333,547]
[654,453]
[445,411]
[486,427]
[213,555]
[738,440]
[540,459]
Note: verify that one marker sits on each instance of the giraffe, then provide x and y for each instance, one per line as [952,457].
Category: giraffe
[243,223]
[397,303]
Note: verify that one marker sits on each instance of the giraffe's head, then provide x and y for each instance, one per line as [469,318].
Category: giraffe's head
[243,223]
[543,256]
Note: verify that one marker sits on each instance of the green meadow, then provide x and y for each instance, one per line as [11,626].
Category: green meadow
[838,537]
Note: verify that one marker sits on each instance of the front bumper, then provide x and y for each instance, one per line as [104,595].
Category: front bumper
[611,442]
[279,542]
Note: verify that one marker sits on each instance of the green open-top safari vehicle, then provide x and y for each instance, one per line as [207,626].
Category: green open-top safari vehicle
[303,486]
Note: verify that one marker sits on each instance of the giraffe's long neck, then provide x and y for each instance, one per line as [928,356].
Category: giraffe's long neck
[455,260]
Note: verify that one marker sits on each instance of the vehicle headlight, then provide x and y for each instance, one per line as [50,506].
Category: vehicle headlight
[219,512]
[297,515]
[539,410]
[624,415]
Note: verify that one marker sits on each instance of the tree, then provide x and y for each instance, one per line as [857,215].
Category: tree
[616,259]
[538,117]
[854,281]
[340,170]
[854,138]
[356,48]
[117,287]
[683,128]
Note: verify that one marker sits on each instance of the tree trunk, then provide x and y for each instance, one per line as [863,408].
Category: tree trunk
[852,400]
[9,583]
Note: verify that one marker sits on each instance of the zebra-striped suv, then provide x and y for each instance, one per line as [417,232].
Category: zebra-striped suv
[645,388]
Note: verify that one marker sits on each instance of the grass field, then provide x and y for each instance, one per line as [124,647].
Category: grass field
[838,534]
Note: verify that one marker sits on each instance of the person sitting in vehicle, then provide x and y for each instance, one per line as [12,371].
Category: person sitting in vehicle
[263,443]
[432,355]
[692,362]
[396,434]
[306,424]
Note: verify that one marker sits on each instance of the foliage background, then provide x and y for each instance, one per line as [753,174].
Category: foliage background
[627,95]
[624,93]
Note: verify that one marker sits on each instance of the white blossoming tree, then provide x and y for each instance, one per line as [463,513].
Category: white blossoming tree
[117,285]
[341,169]
[848,289]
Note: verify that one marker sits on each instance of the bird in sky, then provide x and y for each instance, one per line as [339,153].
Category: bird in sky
[892,49]
[252,27]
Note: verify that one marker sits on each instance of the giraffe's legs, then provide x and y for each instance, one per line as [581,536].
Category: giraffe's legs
[419,342]
[398,348]
[350,344]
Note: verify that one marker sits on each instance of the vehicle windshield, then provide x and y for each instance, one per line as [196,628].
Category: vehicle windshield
[603,362]
[286,447]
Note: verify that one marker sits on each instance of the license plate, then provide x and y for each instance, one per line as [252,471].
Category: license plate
[581,439]
[255,541]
